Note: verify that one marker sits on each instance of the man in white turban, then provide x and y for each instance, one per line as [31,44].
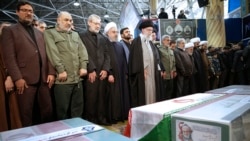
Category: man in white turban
[118,85]
[189,48]
[201,81]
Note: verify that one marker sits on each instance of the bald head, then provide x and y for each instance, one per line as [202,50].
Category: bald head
[63,13]
[64,21]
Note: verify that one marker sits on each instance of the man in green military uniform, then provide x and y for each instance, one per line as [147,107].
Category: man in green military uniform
[69,56]
[168,61]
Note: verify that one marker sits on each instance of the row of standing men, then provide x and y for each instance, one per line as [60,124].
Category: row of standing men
[91,74]
[87,72]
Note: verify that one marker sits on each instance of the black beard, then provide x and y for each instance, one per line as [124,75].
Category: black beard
[25,22]
[127,38]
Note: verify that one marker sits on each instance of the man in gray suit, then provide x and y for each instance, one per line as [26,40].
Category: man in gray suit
[26,61]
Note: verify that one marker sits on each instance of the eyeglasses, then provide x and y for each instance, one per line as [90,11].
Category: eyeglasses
[96,23]
[27,10]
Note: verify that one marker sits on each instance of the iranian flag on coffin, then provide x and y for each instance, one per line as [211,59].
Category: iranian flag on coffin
[152,122]
[225,119]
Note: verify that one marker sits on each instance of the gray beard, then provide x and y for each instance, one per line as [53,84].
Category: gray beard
[185,138]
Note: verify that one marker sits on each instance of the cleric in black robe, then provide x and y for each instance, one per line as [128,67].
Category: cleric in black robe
[137,73]
[95,85]
[200,77]
[118,91]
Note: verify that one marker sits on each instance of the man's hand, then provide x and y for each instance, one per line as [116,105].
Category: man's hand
[50,80]
[103,74]
[9,85]
[164,74]
[111,79]
[174,74]
[62,76]
[92,77]
[83,72]
[21,85]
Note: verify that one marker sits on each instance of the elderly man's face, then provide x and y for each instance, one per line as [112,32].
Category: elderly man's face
[25,14]
[95,25]
[113,34]
[186,132]
[189,50]
[181,44]
[147,31]
[65,22]
[166,41]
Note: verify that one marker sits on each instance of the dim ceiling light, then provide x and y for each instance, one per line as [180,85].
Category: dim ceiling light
[106,15]
[76,3]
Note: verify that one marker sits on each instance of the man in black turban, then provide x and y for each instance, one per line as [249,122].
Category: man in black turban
[144,68]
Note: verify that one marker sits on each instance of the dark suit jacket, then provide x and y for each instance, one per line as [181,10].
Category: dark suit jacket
[238,64]
[246,56]
[21,54]
[184,64]
[97,51]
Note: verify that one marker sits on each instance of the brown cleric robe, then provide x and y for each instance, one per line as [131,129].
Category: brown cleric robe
[3,115]
[10,118]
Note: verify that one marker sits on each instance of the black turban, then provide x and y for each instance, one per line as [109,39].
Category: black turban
[146,23]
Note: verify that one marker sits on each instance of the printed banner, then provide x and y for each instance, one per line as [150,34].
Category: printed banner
[191,131]
[177,28]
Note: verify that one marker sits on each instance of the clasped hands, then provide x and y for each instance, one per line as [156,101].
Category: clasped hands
[62,77]
[92,76]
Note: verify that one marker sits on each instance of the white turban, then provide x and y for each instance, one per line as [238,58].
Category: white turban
[196,39]
[189,45]
[108,26]
[203,43]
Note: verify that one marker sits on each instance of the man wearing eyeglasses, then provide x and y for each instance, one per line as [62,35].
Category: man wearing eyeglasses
[27,64]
